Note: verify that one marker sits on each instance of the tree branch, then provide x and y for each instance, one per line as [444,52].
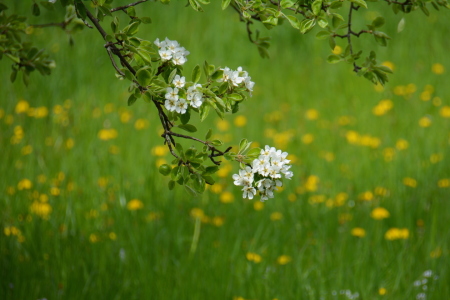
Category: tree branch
[128,5]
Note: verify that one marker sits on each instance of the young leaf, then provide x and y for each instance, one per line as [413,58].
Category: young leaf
[165,169]
[225,4]
[143,76]
[360,3]
[131,100]
[188,127]
[196,74]
[208,134]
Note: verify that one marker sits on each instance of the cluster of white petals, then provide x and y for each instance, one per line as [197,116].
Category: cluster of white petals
[194,97]
[237,78]
[265,174]
[171,50]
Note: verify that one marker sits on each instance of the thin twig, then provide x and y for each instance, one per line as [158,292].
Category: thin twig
[128,5]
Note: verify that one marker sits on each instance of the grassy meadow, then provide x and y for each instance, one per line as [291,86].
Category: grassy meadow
[85,214]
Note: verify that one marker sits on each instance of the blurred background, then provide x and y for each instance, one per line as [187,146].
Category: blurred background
[85,213]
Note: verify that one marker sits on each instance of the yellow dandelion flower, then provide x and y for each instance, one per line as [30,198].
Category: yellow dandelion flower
[340,199]
[411,88]
[437,101]
[337,50]
[396,234]
[223,125]
[436,253]
[388,64]
[276,216]
[43,198]
[218,221]
[112,236]
[102,182]
[388,154]
[40,112]
[152,216]
[366,196]
[125,116]
[312,182]
[312,114]
[160,150]
[401,144]
[226,197]
[107,134]
[240,121]
[437,69]
[411,182]
[254,257]
[425,122]
[258,205]
[54,191]
[379,213]
[93,238]
[216,188]
[22,107]
[24,184]
[108,108]
[70,143]
[444,183]
[345,217]
[135,204]
[352,137]
[141,124]
[445,111]
[284,259]
[26,150]
[225,169]
[197,213]
[307,138]
[381,191]
[292,197]
[436,157]
[382,291]
[358,232]
[425,96]
[344,120]
[9,119]
[41,209]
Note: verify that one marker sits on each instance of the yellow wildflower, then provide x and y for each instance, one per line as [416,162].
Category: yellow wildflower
[141,124]
[218,221]
[379,213]
[284,259]
[254,257]
[112,236]
[22,107]
[135,204]
[41,209]
[312,114]
[337,50]
[197,213]
[240,121]
[358,232]
[396,233]
[107,134]
[401,144]
[276,216]
[311,183]
[388,64]
[411,182]
[382,291]
[258,205]
[24,184]
[93,238]
[444,183]
[307,138]
[437,69]
[445,112]
[125,116]
[223,125]
[226,197]
[425,122]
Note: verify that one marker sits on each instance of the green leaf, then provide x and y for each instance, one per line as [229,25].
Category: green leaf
[217,142]
[143,76]
[321,35]
[209,180]
[294,22]
[13,58]
[131,99]
[146,20]
[109,38]
[171,184]
[35,9]
[165,169]
[378,22]
[48,5]
[360,3]
[322,22]
[131,11]
[208,134]
[25,78]
[225,4]
[316,7]
[243,145]
[287,3]
[184,118]
[332,42]
[196,74]
[3,7]
[217,74]
[211,169]
[14,75]
[132,29]
[195,5]
[336,4]
[190,190]
[254,152]
[188,127]
[172,75]
[81,9]
[204,111]
[332,59]
[306,25]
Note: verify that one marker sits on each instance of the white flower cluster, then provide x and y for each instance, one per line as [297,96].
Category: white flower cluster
[237,78]
[194,96]
[171,50]
[265,173]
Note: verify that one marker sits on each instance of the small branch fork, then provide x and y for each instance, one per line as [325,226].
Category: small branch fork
[128,5]
[168,134]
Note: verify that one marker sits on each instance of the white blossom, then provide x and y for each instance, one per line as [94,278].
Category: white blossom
[181,106]
[172,93]
[270,167]
[170,104]
[171,50]
[179,81]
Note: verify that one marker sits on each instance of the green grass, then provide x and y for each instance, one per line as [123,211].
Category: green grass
[93,247]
